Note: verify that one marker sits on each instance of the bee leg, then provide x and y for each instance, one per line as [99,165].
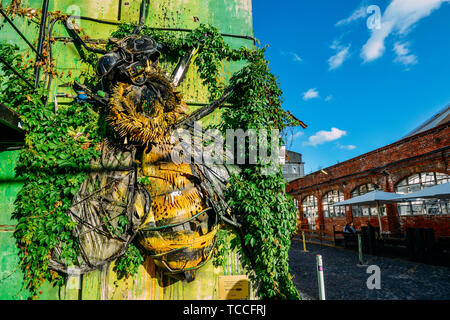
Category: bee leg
[102,100]
[189,275]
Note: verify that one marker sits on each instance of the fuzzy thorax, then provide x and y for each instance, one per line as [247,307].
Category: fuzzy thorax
[146,114]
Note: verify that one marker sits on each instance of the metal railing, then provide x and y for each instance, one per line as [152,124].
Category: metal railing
[319,236]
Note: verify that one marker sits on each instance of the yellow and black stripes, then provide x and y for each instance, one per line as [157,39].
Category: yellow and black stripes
[180,230]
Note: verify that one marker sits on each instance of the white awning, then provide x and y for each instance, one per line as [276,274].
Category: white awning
[372,198]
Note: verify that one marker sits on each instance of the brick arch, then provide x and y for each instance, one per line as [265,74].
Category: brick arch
[319,218]
[361,220]
[337,186]
[301,198]
[382,181]
[352,184]
[414,171]
[366,183]
[324,193]
[308,195]
[343,187]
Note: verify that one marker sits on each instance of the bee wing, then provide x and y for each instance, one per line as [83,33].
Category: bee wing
[213,180]
[212,176]
[105,209]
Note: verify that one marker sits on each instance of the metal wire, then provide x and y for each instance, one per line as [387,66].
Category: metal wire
[162,29]
[41,38]
[16,72]
[176,224]
[20,33]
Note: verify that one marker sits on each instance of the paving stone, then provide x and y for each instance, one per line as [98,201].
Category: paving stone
[345,280]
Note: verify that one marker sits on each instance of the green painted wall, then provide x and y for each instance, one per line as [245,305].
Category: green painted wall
[10,276]
[230,16]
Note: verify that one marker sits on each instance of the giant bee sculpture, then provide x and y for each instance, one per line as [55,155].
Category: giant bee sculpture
[175,215]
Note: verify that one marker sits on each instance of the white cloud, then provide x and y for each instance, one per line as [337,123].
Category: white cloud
[357,14]
[346,147]
[311,94]
[401,49]
[294,56]
[403,56]
[322,137]
[399,17]
[343,53]
[329,98]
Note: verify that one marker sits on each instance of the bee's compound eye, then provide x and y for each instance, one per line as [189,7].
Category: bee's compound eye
[139,45]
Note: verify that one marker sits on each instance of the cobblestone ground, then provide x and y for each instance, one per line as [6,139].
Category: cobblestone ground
[345,280]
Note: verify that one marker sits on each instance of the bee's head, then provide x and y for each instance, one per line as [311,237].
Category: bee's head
[129,58]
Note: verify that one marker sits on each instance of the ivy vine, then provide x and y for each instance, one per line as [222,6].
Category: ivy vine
[53,163]
[129,263]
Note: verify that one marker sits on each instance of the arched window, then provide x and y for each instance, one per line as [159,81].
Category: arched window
[310,210]
[360,211]
[417,182]
[330,198]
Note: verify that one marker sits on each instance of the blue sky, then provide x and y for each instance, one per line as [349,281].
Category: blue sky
[358,88]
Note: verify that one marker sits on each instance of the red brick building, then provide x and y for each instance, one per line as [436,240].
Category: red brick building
[418,160]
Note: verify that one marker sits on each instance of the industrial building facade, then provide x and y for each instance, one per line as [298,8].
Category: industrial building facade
[293,167]
[410,164]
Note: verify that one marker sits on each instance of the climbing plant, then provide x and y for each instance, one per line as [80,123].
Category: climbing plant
[267,212]
[53,163]
[60,146]
[129,262]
